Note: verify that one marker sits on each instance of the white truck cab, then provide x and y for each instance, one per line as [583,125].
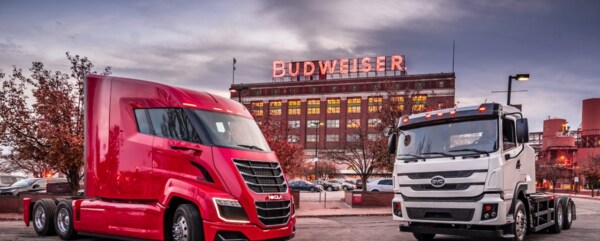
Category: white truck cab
[469,171]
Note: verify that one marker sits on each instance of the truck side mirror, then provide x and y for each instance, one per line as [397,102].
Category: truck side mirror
[392,144]
[522,130]
[388,131]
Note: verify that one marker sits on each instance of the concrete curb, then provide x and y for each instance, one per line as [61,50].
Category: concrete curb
[2,219]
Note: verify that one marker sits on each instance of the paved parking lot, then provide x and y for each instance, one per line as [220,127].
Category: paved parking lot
[368,228]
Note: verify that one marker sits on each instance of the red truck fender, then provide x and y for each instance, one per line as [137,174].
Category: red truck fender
[198,194]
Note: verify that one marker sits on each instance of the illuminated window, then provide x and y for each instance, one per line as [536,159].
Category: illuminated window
[352,137]
[333,123]
[373,136]
[312,123]
[419,102]
[275,107]
[314,107]
[353,105]
[294,124]
[311,138]
[353,123]
[333,106]
[294,107]
[293,138]
[374,122]
[332,138]
[375,104]
[257,107]
[397,103]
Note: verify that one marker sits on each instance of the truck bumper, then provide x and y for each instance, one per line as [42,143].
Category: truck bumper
[220,231]
[500,232]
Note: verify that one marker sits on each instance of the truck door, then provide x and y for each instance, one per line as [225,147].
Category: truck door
[511,150]
[177,150]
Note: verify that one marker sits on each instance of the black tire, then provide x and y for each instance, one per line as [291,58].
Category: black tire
[186,224]
[311,189]
[330,188]
[424,236]
[63,223]
[43,217]
[345,188]
[520,224]
[568,213]
[374,190]
[558,217]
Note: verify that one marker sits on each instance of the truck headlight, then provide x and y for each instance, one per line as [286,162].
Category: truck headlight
[230,210]
[489,211]
[397,209]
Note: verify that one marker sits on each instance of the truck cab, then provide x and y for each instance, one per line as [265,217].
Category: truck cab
[464,171]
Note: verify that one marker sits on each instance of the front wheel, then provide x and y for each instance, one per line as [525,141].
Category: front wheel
[43,217]
[311,189]
[424,236]
[186,224]
[345,188]
[330,188]
[64,221]
[520,225]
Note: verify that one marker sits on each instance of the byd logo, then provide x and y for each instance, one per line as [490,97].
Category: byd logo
[438,181]
[274,197]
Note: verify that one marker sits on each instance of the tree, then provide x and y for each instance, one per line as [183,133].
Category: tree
[361,154]
[550,170]
[325,169]
[291,156]
[591,172]
[45,133]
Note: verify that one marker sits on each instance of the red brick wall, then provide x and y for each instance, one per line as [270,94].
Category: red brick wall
[369,199]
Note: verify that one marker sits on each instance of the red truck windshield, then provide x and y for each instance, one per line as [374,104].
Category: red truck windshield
[449,139]
[232,131]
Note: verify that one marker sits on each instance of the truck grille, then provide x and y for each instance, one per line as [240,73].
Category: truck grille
[262,177]
[273,213]
[445,214]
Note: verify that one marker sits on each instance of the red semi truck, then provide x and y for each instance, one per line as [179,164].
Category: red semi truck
[167,163]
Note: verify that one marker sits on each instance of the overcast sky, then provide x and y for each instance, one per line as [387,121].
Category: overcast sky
[192,43]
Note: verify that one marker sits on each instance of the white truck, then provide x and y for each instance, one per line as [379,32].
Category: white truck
[469,171]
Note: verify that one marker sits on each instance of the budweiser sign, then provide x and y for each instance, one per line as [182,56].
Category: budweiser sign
[339,66]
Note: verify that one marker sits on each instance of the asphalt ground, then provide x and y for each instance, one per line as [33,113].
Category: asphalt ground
[367,228]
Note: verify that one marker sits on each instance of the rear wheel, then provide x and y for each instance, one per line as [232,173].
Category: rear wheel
[424,236]
[568,214]
[345,188]
[43,217]
[558,218]
[64,221]
[520,225]
[186,224]
[330,188]
[311,189]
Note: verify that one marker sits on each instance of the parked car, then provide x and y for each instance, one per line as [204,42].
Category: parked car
[359,184]
[380,185]
[301,185]
[7,180]
[328,185]
[30,185]
[345,186]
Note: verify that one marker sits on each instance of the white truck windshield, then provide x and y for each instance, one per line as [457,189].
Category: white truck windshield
[448,139]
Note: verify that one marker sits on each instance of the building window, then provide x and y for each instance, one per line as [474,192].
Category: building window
[333,123]
[397,103]
[293,138]
[275,107]
[313,90]
[293,107]
[314,107]
[374,122]
[334,89]
[419,102]
[257,93]
[353,123]
[332,138]
[312,123]
[352,137]
[375,104]
[257,108]
[375,87]
[294,91]
[311,138]
[333,106]
[294,124]
[373,136]
[275,91]
[354,105]
[354,88]
[441,84]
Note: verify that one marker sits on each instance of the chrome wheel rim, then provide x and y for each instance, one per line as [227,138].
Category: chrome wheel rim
[39,217]
[521,224]
[63,220]
[559,216]
[180,229]
[569,213]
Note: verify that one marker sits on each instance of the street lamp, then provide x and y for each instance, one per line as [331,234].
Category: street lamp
[316,125]
[238,89]
[518,77]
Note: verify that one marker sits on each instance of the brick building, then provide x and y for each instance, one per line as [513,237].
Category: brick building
[323,110]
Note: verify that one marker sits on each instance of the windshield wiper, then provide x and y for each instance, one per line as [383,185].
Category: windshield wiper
[251,147]
[414,157]
[440,153]
[472,150]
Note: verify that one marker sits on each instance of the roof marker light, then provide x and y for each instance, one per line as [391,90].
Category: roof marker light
[229,111]
[405,120]
[428,115]
[218,109]
[440,114]
[453,112]
[481,108]
[188,104]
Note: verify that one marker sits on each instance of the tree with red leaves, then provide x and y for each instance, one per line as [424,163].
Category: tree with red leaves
[549,170]
[591,172]
[291,156]
[45,134]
